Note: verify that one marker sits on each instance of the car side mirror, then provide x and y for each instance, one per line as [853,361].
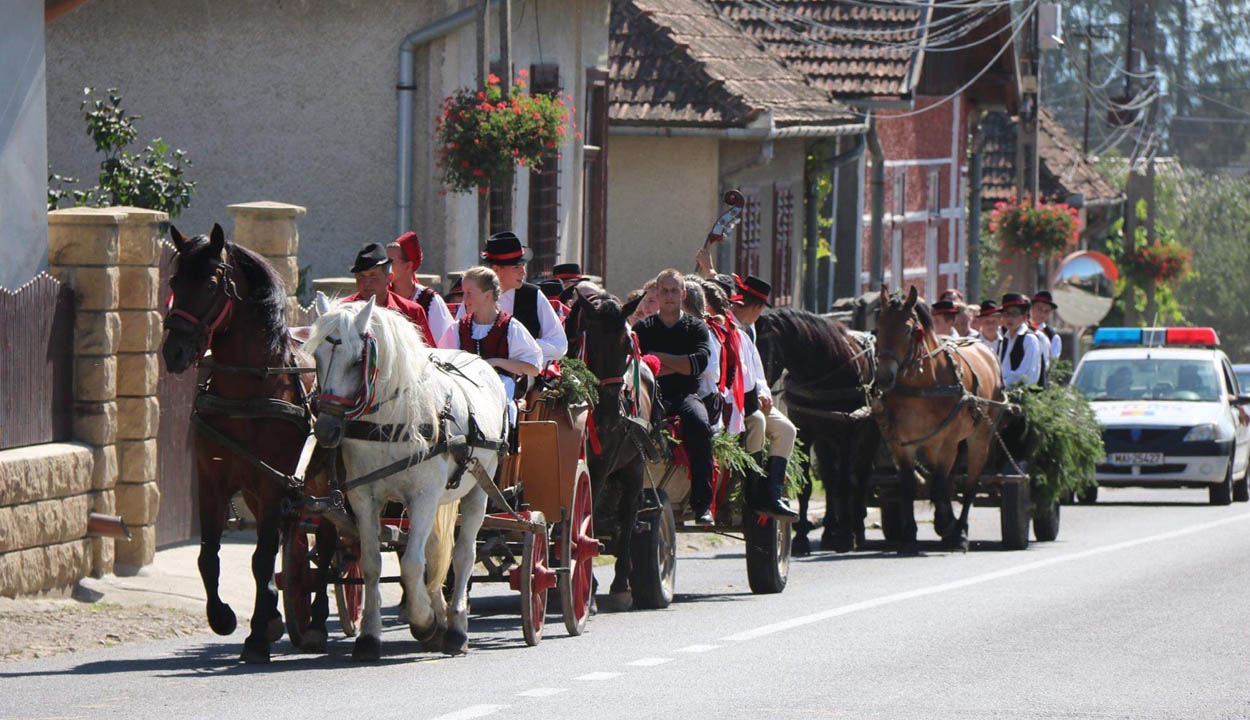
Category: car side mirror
[1242,399]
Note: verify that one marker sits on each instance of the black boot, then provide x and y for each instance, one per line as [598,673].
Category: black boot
[773,488]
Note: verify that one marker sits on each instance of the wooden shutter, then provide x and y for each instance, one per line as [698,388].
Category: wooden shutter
[544,199]
[783,243]
[595,174]
[747,257]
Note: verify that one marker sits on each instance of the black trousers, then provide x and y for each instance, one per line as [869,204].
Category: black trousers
[697,439]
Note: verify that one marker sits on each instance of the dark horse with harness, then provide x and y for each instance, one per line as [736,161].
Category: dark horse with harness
[824,371]
[252,415]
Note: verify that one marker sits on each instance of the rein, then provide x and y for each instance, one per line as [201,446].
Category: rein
[362,402]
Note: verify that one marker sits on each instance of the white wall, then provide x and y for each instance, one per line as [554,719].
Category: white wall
[23,145]
[662,199]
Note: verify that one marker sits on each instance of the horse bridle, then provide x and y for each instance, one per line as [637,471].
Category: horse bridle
[202,328]
[913,343]
[362,403]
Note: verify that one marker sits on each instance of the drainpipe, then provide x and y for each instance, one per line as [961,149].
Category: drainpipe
[877,275]
[974,212]
[405,89]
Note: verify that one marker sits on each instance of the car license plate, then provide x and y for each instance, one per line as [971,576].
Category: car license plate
[1136,458]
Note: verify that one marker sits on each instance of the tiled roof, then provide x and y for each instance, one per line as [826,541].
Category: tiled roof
[1064,168]
[843,47]
[676,62]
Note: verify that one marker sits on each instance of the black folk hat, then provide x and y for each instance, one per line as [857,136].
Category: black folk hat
[567,271]
[1045,297]
[504,248]
[755,289]
[551,288]
[370,256]
[988,308]
[729,284]
[1015,299]
[943,307]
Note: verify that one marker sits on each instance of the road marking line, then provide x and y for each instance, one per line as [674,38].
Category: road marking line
[970,581]
[542,692]
[699,648]
[473,711]
[649,662]
[597,676]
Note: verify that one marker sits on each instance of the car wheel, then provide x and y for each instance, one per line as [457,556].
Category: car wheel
[1241,493]
[1222,492]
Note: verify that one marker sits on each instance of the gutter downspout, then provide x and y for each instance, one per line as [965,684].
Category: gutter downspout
[877,268]
[405,89]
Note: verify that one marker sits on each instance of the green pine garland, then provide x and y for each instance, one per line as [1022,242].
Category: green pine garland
[577,385]
[1064,440]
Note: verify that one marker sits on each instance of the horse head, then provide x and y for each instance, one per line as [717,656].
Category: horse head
[901,332]
[600,322]
[204,292]
[346,366]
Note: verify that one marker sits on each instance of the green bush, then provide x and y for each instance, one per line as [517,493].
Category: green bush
[1064,441]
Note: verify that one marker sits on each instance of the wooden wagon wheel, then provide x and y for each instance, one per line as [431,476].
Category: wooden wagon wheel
[578,549]
[298,583]
[533,579]
[350,597]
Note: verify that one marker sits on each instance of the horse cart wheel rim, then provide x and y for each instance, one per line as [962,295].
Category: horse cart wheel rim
[536,579]
[666,548]
[350,598]
[298,584]
[578,548]
[784,538]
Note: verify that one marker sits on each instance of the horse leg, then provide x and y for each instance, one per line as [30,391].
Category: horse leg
[369,645]
[863,458]
[327,542]
[940,492]
[801,545]
[265,612]
[212,520]
[907,506]
[979,445]
[630,480]
[421,512]
[831,471]
[472,514]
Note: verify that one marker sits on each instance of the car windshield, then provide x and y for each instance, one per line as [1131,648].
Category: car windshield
[1148,379]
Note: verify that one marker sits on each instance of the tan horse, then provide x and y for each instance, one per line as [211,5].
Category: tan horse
[931,394]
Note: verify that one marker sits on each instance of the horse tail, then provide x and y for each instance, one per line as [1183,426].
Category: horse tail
[439,546]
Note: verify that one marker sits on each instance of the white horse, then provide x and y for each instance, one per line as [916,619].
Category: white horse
[373,367]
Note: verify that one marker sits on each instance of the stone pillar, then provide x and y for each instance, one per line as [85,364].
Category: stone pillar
[271,229]
[84,248]
[138,370]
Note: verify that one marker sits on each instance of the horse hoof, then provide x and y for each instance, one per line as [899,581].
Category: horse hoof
[455,642]
[435,642]
[314,641]
[801,547]
[221,619]
[255,652]
[618,602]
[275,628]
[424,636]
[909,547]
[367,649]
[956,542]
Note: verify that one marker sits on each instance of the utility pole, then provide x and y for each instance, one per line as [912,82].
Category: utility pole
[483,69]
[1028,174]
[1089,37]
[505,82]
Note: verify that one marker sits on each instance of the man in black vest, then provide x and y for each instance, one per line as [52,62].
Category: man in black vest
[1043,307]
[524,301]
[1019,351]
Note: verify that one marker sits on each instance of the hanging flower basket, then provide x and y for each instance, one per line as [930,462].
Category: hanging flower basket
[1160,263]
[482,136]
[1039,231]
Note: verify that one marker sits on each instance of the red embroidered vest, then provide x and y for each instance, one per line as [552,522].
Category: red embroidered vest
[493,345]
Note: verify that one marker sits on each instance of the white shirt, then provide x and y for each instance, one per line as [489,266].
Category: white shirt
[991,344]
[438,315]
[1030,368]
[710,377]
[521,345]
[552,341]
[1056,343]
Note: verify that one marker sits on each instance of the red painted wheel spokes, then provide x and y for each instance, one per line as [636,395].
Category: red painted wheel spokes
[585,548]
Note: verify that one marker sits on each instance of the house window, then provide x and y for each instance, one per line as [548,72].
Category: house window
[783,243]
[747,258]
[595,174]
[544,200]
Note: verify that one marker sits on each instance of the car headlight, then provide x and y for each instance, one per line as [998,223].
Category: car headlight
[1201,433]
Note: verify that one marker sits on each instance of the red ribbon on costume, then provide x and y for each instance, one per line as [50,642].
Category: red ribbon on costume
[730,357]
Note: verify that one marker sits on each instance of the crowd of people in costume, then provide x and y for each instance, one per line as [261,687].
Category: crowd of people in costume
[696,331]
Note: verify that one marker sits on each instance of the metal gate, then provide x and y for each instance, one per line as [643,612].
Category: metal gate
[179,518]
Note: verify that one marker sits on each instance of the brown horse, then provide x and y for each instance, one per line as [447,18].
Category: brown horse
[251,415]
[932,395]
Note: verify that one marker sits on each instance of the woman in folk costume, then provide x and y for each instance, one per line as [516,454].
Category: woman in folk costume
[495,335]
[729,339]
[405,255]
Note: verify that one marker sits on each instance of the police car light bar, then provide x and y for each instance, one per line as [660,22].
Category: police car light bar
[1155,337]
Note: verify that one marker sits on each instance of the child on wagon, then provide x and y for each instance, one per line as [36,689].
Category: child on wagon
[495,335]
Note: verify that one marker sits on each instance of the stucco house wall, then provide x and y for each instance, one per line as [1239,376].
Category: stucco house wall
[296,101]
[662,198]
[23,149]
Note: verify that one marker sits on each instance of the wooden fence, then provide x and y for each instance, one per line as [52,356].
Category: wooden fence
[36,363]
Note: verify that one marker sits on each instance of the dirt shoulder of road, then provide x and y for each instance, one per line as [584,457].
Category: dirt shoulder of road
[39,628]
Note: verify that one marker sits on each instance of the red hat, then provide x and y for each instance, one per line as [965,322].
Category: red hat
[411,246]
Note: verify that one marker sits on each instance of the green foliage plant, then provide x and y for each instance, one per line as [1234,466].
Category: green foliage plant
[482,135]
[154,178]
[1064,441]
[576,384]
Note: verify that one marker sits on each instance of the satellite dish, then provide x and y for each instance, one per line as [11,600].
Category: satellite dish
[1084,287]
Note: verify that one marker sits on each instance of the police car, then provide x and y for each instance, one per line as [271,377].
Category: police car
[1171,410]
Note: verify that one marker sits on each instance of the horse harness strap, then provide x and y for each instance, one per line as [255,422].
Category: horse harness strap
[260,372]
[288,482]
[207,403]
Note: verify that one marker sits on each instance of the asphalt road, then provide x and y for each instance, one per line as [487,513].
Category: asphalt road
[1141,609]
